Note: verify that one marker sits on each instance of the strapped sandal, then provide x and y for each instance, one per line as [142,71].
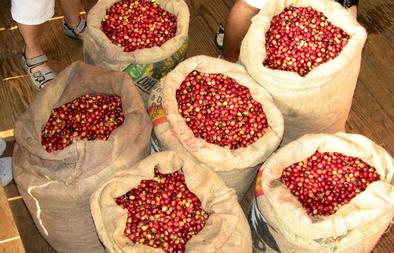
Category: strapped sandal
[5,166]
[40,77]
[5,170]
[3,145]
[74,33]
[219,37]
[348,3]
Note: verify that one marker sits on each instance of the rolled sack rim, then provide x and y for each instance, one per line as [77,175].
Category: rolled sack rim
[142,56]
[336,14]
[74,155]
[340,223]
[239,158]
[210,202]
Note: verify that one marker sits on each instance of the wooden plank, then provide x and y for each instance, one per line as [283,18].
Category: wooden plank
[88,4]
[368,118]
[12,246]
[31,237]
[218,9]
[229,3]
[377,73]
[378,18]
[212,12]
[10,54]
[16,95]
[5,14]
[201,39]
[9,235]
[386,243]
[11,69]
[11,191]
[7,225]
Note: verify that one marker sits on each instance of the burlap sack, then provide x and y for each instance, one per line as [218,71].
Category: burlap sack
[279,222]
[145,66]
[56,186]
[320,101]
[225,231]
[237,167]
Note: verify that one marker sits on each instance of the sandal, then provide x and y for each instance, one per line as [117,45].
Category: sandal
[3,145]
[348,3]
[219,37]
[5,166]
[40,77]
[5,170]
[74,33]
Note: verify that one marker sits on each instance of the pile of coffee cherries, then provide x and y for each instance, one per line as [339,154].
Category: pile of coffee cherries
[138,24]
[89,117]
[300,39]
[163,212]
[220,110]
[326,181]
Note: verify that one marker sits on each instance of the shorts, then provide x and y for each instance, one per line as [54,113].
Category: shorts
[348,3]
[256,3]
[32,12]
[260,3]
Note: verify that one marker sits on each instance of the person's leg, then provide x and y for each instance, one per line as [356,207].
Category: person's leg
[30,16]
[34,61]
[353,11]
[73,23]
[351,5]
[31,23]
[71,10]
[237,24]
[31,35]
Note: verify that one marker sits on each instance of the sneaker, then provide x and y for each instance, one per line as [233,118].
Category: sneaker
[5,170]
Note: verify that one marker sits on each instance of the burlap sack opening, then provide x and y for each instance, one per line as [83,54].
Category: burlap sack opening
[355,227]
[236,167]
[56,186]
[320,101]
[103,52]
[225,231]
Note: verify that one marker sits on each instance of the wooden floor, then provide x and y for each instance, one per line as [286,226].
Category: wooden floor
[372,112]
